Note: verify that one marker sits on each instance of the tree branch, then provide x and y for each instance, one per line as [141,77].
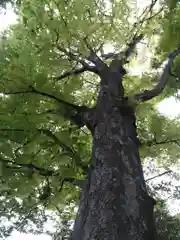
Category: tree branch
[51,135]
[76,72]
[32,167]
[93,57]
[159,175]
[155,14]
[32,90]
[131,46]
[120,59]
[146,11]
[99,64]
[149,94]
[75,57]
[155,142]
[127,53]
[42,171]
[137,37]
[76,117]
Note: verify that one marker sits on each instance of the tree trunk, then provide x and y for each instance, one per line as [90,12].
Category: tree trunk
[114,204]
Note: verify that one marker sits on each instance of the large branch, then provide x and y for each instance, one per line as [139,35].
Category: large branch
[76,117]
[32,167]
[122,58]
[80,115]
[45,132]
[32,90]
[93,57]
[127,53]
[76,72]
[73,153]
[149,94]
[131,46]
[52,136]
[81,59]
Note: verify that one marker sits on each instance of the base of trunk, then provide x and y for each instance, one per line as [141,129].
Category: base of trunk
[109,213]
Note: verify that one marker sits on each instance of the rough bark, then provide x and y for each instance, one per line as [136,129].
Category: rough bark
[114,203]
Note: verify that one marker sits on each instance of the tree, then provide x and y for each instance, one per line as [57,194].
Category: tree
[167,225]
[61,92]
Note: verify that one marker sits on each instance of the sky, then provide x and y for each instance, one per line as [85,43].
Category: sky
[169,107]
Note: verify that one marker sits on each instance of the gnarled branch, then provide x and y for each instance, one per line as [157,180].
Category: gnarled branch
[149,94]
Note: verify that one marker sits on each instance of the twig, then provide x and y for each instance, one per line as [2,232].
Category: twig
[146,11]
[154,142]
[159,175]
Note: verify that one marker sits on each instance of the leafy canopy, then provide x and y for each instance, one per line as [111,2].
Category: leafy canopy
[43,156]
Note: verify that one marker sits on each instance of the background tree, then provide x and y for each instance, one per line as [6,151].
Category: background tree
[52,65]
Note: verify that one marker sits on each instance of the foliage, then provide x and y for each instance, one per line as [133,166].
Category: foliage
[43,156]
[167,225]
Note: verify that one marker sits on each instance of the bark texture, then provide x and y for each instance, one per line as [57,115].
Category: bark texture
[114,203]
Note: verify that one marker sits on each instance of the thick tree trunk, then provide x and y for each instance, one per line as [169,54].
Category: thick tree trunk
[114,204]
